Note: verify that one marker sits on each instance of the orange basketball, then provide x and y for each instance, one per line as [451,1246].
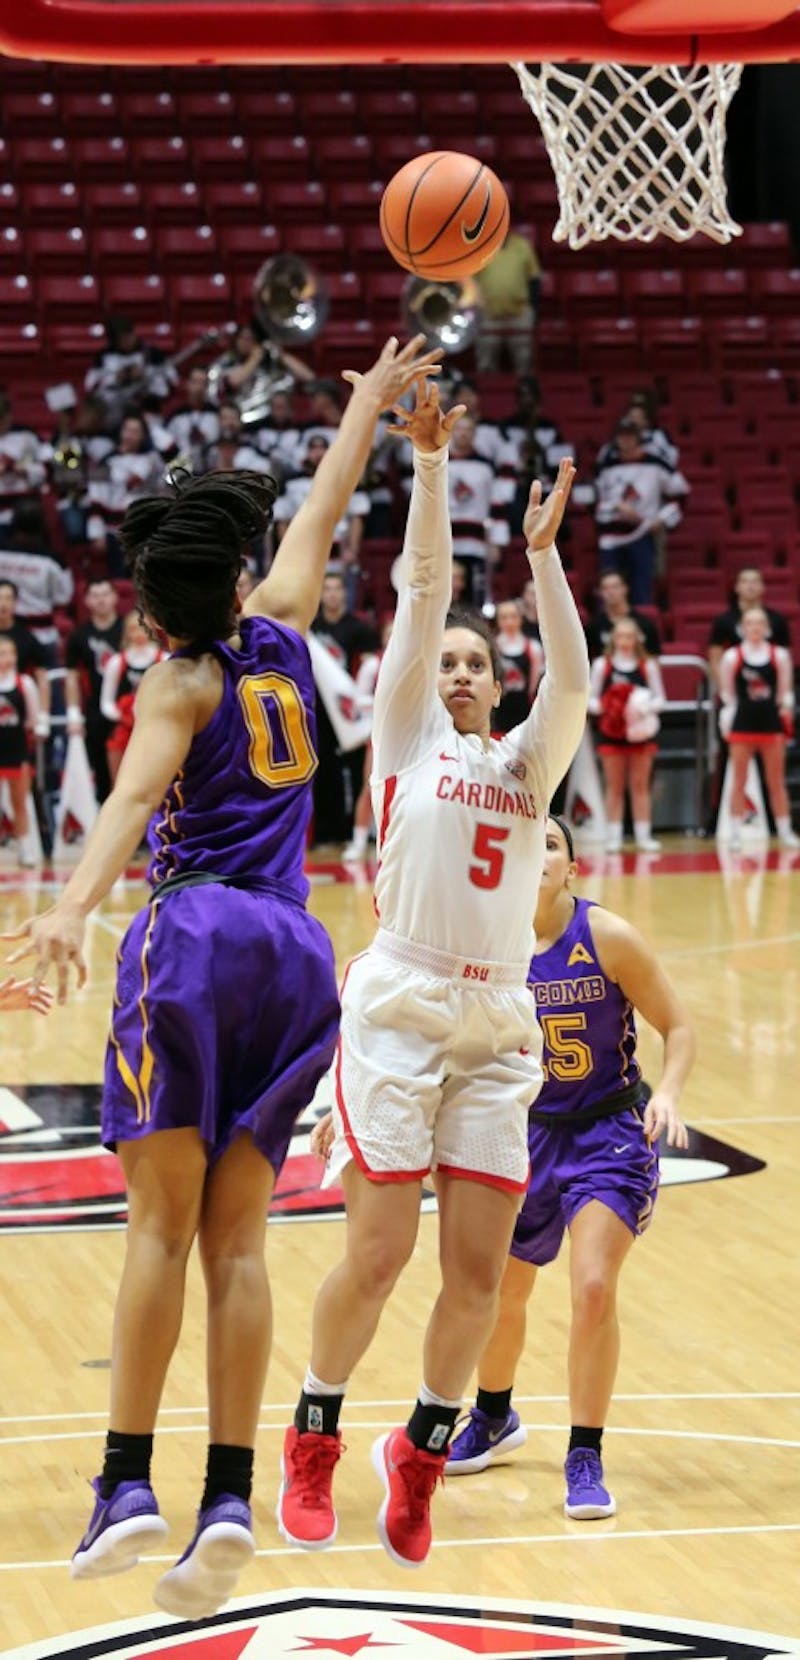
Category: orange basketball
[444,215]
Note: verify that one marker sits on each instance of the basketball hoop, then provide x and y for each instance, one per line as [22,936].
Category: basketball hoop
[637,152]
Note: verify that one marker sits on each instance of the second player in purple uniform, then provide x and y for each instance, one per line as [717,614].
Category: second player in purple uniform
[226,1010]
[594,1164]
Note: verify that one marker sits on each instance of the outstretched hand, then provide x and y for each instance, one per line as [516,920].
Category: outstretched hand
[20,995]
[542,519]
[55,937]
[396,369]
[426,425]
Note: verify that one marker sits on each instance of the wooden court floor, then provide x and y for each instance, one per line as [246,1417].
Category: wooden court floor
[703,1448]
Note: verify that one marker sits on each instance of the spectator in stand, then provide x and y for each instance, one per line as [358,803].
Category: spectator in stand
[458,584]
[350,529]
[530,615]
[366,681]
[477,499]
[31,654]
[42,583]
[527,421]
[22,470]
[78,443]
[279,437]
[756,683]
[642,409]
[19,716]
[637,498]
[234,449]
[521,662]
[339,777]
[132,470]
[89,649]
[509,295]
[523,463]
[489,438]
[249,370]
[126,371]
[726,629]
[194,424]
[122,677]
[612,606]
[626,694]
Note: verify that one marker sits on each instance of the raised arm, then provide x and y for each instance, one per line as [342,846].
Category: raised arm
[407,689]
[291,592]
[169,710]
[631,962]
[553,728]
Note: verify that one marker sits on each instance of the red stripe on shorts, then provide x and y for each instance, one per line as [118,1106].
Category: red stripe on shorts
[349,1136]
[504,1183]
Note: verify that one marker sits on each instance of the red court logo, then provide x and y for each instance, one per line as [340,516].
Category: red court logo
[418,1628]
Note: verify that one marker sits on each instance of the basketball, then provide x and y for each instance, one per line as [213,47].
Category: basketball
[444,215]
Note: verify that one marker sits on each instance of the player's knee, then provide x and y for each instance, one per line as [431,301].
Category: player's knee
[376,1264]
[474,1278]
[594,1297]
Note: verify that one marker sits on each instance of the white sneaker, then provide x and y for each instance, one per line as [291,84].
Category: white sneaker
[789,839]
[352,854]
[648,844]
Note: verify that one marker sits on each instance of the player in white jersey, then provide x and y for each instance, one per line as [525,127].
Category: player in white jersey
[438,1058]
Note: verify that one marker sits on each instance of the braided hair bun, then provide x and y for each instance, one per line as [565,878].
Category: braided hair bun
[185,550]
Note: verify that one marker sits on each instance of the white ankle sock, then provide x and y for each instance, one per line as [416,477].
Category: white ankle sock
[427,1397]
[314,1386]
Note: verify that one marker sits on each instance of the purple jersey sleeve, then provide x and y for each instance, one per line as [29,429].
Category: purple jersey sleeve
[241,804]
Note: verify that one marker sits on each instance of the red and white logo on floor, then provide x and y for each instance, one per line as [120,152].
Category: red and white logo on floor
[416,1627]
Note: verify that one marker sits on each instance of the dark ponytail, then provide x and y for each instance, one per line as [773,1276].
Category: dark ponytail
[185,550]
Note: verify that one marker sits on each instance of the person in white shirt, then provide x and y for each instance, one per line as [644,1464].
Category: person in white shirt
[637,499]
[22,470]
[438,1059]
[627,695]
[350,529]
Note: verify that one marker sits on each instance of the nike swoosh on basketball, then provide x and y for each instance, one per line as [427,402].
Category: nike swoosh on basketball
[471,233]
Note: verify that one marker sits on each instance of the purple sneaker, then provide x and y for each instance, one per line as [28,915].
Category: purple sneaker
[120,1529]
[206,1575]
[586,1496]
[484,1441]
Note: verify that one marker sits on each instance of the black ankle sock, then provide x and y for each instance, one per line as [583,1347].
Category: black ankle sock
[228,1470]
[430,1427]
[496,1403]
[318,1414]
[579,1436]
[127,1458]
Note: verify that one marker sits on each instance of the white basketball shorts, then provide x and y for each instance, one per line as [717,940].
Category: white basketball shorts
[437,1065]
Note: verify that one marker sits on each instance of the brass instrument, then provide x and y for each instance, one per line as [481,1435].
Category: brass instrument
[291,303]
[449,314]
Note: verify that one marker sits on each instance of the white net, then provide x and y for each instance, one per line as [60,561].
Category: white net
[637,152]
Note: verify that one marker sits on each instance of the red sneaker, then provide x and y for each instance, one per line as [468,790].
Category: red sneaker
[305,1503]
[409,1476]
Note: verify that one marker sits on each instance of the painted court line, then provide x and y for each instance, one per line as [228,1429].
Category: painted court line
[528,1400]
[90,1432]
[492,1541]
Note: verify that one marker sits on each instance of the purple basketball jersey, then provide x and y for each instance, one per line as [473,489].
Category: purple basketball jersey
[588,1027]
[240,805]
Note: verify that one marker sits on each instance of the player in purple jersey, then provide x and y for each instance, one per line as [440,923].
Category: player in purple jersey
[225,1011]
[594,1164]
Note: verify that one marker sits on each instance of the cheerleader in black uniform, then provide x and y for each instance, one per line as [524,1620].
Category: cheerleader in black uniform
[522,663]
[19,706]
[757,718]
[626,695]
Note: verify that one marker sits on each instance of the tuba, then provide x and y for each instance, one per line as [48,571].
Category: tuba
[449,314]
[291,305]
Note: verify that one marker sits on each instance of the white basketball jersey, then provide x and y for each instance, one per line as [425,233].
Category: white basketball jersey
[461,829]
